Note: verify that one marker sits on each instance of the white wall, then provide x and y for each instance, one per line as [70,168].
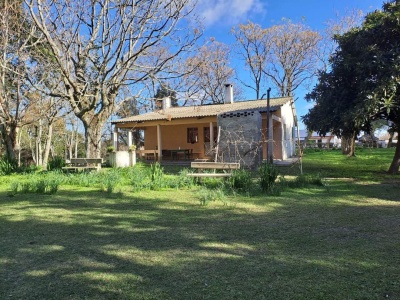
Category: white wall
[288,144]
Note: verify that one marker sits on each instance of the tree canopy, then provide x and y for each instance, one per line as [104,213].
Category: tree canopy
[103,46]
[364,82]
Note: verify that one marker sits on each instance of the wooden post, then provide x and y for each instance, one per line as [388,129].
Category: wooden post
[270,150]
[159,140]
[211,136]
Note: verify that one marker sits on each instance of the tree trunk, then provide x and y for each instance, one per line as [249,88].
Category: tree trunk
[47,146]
[391,134]
[10,138]
[352,146]
[345,145]
[348,145]
[93,129]
[306,139]
[394,166]
[39,143]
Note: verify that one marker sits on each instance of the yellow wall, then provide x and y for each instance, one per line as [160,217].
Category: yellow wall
[175,136]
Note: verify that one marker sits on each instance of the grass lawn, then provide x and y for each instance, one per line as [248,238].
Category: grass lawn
[338,241]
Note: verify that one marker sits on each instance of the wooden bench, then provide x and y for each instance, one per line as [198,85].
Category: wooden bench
[201,166]
[148,154]
[80,164]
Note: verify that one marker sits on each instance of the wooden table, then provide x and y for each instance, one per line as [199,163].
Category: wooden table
[186,153]
[148,154]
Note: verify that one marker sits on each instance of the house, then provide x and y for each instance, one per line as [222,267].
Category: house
[316,140]
[233,131]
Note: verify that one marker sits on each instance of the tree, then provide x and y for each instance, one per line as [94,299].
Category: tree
[209,72]
[102,46]
[292,56]
[164,91]
[17,41]
[335,97]
[378,52]
[282,54]
[371,54]
[254,48]
[334,27]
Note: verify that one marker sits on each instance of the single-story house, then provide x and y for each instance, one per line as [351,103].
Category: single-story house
[233,131]
[316,140]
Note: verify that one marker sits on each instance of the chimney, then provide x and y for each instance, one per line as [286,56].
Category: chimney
[228,93]
[166,103]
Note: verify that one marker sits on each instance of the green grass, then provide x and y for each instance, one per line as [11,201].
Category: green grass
[335,241]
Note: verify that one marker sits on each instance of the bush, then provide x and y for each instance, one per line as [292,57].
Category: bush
[157,176]
[140,177]
[110,181]
[206,195]
[8,165]
[241,180]
[182,180]
[56,163]
[46,183]
[267,175]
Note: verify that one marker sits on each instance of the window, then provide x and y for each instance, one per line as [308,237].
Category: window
[207,134]
[192,135]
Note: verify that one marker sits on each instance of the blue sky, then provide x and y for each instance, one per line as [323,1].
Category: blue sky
[219,16]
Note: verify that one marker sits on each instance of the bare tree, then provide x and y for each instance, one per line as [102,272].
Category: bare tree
[338,25]
[282,54]
[101,46]
[42,119]
[253,47]
[210,72]
[293,48]
[16,43]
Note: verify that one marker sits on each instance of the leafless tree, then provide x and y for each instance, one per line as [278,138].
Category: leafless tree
[211,70]
[253,48]
[101,46]
[284,55]
[338,25]
[292,56]
[17,40]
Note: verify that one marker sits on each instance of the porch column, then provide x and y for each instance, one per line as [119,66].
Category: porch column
[211,136]
[270,142]
[115,138]
[129,139]
[159,139]
[283,149]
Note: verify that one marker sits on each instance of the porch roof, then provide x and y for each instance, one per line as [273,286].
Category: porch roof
[181,112]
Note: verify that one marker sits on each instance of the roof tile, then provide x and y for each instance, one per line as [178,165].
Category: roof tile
[205,110]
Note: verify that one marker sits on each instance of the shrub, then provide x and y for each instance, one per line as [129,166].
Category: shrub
[14,187]
[206,195]
[304,180]
[241,180]
[110,181]
[156,176]
[140,177]
[39,186]
[267,175]
[56,163]
[110,149]
[182,180]
[8,165]
[26,187]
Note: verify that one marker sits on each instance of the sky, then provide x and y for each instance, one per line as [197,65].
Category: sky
[219,16]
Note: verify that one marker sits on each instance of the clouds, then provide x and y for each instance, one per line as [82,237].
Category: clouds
[228,12]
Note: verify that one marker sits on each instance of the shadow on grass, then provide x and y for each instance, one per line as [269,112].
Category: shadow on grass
[82,245]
